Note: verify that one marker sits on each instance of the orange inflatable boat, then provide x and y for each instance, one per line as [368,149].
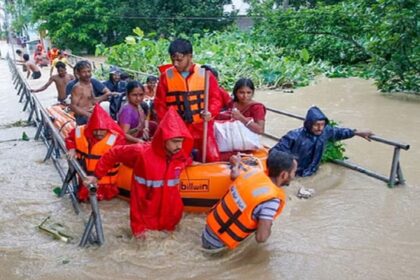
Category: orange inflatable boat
[62,118]
[202,184]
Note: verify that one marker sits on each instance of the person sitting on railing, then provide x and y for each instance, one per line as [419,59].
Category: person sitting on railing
[21,61]
[308,142]
[82,96]
[155,200]
[88,143]
[61,79]
[32,68]
[115,85]
[133,116]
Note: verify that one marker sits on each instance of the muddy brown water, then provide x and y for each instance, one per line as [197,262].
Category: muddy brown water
[355,227]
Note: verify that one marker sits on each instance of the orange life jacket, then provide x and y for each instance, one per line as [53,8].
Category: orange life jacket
[231,219]
[186,95]
[91,155]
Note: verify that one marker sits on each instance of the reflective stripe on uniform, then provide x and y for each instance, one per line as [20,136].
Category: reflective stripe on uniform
[156,183]
[78,132]
[111,140]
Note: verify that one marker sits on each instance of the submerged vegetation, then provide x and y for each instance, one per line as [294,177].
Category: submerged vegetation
[334,150]
[235,54]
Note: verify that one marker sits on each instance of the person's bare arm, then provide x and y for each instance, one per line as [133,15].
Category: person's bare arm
[106,94]
[128,136]
[235,161]
[29,68]
[255,126]
[263,230]
[52,69]
[44,87]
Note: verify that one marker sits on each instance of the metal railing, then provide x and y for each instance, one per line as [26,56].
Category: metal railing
[396,176]
[50,135]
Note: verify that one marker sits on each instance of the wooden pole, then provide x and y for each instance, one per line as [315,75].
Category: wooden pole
[206,109]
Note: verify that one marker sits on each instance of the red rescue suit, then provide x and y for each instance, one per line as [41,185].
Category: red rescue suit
[186,95]
[90,149]
[155,201]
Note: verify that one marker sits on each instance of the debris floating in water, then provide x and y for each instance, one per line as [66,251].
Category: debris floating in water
[305,193]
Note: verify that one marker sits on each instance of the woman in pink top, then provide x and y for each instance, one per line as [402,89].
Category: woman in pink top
[132,117]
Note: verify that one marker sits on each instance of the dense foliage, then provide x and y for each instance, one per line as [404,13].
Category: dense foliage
[80,25]
[383,35]
[234,54]
[164,18]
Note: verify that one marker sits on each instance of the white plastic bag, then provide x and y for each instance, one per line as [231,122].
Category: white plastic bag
[235,136]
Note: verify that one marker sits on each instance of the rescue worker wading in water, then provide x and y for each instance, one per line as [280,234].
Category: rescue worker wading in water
[88,143]
[181,86]
[251,204]
[155,201]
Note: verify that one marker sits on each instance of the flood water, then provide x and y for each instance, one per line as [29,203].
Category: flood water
[355,227]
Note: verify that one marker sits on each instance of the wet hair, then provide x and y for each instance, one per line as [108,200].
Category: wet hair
[132,85]
[19,52]
[26,57]
[82,64]
[242,82]
[180,46]
[151,78]
[60,64]
[278,161]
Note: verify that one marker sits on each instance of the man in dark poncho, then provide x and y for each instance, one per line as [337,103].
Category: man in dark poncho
[308,143]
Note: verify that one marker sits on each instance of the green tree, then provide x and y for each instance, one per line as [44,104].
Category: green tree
[383,34]
[79,24]
[165,18]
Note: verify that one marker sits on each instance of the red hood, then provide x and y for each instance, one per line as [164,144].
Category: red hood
[172,126]
[101,120]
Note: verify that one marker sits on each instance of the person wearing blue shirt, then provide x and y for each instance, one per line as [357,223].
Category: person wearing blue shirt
[115,85]
[308,143]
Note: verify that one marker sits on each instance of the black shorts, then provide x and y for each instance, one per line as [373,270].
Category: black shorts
[36,75]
